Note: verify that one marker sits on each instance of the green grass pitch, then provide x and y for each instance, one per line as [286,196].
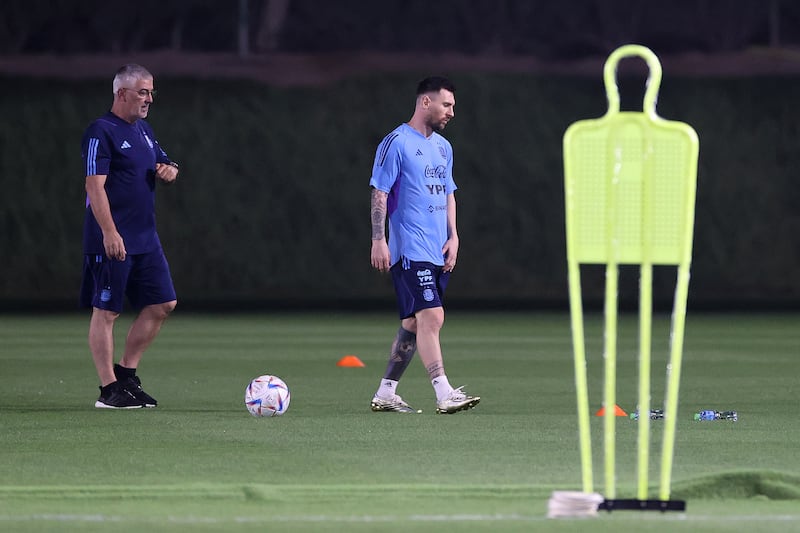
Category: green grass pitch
[200,462]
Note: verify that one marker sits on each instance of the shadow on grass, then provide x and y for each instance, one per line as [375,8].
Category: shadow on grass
[741,485]
[91,409]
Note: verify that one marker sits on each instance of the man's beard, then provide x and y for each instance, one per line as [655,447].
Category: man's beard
[437,126]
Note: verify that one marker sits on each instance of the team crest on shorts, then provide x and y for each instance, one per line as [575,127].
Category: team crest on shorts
[427,295]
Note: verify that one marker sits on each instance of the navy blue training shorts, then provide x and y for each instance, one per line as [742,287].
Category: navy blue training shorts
[419,285]
[143,278]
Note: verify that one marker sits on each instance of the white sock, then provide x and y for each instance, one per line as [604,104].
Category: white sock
[442,387]
[387,389]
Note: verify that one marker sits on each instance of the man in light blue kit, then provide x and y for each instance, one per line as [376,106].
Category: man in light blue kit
[412,184]
[122,252]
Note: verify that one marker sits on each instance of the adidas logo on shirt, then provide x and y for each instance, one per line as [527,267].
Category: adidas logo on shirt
[419,152]
[125,144]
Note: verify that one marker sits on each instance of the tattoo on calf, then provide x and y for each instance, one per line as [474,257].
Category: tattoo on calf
[403,348]
[435,370]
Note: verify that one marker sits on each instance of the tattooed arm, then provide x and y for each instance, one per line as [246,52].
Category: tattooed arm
[380,249]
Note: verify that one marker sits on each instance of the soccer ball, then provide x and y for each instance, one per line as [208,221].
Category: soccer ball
[267,396]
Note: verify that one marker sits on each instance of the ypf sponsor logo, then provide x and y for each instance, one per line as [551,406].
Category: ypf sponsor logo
[425,277]
[437,189]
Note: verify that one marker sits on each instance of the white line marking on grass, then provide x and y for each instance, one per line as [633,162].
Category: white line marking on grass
[99,518]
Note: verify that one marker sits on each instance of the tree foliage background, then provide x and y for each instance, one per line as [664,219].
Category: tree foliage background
[272,208]
[558,30]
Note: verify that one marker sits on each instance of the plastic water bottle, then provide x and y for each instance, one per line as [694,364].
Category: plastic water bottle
[655,414]
[716,415]
[706,415]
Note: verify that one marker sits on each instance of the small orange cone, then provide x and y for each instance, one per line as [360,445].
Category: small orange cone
[350,361]
[617,411]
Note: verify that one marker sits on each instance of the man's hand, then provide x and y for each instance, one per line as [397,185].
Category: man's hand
[380,256]
[166,173]
[450,253]
[114,246]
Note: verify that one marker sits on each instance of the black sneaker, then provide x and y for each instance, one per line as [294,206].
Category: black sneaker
[134,385]
[129,379]
[116,396]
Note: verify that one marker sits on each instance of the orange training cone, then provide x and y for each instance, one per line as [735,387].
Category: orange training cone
[350,361]
[617,411]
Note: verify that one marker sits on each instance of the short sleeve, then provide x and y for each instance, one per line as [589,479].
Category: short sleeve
[95,151]
[387,164]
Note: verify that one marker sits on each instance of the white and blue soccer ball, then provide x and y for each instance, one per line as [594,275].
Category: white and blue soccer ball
[267,396]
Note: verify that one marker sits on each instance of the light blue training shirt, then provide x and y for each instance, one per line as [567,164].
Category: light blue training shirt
[417,173]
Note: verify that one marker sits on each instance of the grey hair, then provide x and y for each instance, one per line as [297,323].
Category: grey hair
[129,74]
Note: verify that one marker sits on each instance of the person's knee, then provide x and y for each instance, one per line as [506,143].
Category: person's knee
[430,319]
[104,315]
[162,311]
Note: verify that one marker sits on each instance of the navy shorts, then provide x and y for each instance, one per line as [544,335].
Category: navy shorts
[143,278]
[419,285]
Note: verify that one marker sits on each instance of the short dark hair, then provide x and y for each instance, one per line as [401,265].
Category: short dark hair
[434,84]
[129,74]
